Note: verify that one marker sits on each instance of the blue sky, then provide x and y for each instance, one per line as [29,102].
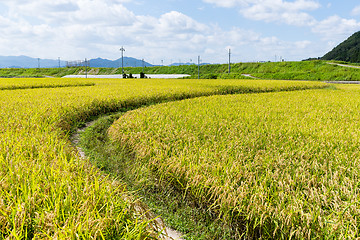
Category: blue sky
[176,30]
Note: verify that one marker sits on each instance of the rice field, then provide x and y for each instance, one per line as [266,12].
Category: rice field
[46,190]
[281,165]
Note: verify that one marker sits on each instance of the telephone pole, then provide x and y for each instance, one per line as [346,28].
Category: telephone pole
[198,67]
[122,59]
[86,72]
[229,60]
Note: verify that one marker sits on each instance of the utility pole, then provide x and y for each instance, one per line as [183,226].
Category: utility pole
[229,60]
[198,67]
[85,67]
[39,63]
[59,61]
[143,65]
[122,59]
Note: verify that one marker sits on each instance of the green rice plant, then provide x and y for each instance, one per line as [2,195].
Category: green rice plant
[279,165]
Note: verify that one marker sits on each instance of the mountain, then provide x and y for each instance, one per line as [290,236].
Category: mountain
[28,62]
[128,62]
[348,51]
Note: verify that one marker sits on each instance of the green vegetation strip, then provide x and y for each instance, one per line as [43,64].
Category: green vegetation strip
[38,72]
[305,70]
[14,87]
[46,190]
[31,83]
[274,165]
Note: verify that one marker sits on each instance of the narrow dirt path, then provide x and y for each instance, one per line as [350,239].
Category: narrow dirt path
[344,65]
[168,233]
[344,82]
[249,75]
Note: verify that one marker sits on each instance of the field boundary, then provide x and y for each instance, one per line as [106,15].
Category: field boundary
[14,87]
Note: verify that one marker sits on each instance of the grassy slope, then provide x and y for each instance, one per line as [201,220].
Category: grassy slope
[307,70]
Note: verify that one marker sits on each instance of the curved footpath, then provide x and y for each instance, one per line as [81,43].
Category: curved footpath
[344,65]
[344,82]
[168,233]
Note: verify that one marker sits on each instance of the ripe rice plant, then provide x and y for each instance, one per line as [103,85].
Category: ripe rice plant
[46,189]
[282,165]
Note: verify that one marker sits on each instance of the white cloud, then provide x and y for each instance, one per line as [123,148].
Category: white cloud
[82,11]
[62,27]
[356,11]
[297,5]
[292,13]
[223,3]
[97,28]
[331,30]
[262,12]
[335,28]
[302,44]
[178,22]
[93,28]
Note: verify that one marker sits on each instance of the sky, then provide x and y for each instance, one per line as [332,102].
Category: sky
[172,31]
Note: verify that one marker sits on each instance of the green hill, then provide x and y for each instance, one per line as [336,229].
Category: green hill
[348,51]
